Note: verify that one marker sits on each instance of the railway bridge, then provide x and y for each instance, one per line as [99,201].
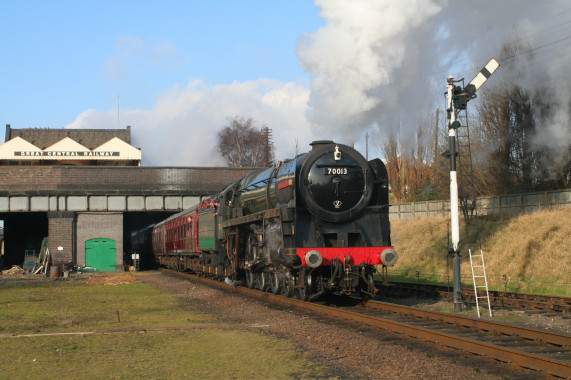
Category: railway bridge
[81,207]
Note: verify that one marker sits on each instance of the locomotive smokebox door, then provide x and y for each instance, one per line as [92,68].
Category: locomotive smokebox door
[336,182]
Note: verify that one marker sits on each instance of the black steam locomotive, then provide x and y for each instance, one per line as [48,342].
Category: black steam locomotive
[313,224]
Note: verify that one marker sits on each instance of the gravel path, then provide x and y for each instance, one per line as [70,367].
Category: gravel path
[349,353]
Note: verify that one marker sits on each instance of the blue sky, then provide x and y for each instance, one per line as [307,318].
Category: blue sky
[335,69]
[61,58]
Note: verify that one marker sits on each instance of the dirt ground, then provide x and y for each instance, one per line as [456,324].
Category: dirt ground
[348,351]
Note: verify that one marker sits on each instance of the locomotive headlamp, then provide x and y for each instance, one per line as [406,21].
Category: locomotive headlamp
[389,257]
[337,153]
[313,258]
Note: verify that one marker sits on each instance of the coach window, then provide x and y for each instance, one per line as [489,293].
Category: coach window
[228,198]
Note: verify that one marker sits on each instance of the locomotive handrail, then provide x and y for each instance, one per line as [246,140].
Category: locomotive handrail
[336,165]
[255,183]
[378,206]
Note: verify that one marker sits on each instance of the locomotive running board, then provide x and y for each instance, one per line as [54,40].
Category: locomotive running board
[252,217]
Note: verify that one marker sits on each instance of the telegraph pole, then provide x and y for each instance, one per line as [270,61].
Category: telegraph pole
[367,146]
[457,99]
[267,132]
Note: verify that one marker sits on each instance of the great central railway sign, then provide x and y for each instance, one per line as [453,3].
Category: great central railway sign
[66,154]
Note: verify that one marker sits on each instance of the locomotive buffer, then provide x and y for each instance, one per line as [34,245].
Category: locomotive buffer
[457,99]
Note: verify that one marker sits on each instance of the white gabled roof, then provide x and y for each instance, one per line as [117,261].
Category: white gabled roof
[17,144]
[68,149]
[126,151]
[67,144]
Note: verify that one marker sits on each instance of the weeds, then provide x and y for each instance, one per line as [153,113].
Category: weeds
[532,250]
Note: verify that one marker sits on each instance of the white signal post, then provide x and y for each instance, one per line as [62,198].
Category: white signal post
[457,98]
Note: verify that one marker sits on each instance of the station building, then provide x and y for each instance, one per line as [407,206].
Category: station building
[48,147]
[86,191]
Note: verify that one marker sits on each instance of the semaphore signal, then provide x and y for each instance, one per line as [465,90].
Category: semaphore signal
[457,99]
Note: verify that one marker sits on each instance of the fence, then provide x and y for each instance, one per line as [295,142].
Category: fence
[513,203]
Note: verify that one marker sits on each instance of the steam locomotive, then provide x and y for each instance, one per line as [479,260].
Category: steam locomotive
[313,224]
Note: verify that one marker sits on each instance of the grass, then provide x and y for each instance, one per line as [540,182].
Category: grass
[201,346]
[532,250]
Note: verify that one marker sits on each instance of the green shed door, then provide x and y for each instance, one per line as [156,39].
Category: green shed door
[100,254]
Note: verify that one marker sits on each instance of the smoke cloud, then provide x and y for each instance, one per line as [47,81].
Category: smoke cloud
[181,129]
[375,62]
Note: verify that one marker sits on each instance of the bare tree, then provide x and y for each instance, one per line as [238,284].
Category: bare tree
[407,163]
[296,147]
[242,144]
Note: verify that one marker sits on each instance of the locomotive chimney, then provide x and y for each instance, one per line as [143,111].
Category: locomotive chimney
[319,143]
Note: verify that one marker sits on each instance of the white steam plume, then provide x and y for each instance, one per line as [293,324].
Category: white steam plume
[379,61]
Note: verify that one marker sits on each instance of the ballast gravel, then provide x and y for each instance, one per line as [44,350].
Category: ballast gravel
[349,353]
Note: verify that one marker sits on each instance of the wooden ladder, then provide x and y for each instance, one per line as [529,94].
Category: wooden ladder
[480,281]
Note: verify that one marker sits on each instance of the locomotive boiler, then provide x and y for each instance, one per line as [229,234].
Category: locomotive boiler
[313,224]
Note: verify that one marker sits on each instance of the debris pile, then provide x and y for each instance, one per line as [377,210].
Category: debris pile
[43,261]
[13,271]
[113,279]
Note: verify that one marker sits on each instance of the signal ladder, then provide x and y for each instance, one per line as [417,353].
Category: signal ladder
[468,203]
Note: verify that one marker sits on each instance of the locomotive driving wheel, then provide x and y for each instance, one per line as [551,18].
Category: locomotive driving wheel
[302,289]
[276,282]
[288,285]
[249,279]
[262,280]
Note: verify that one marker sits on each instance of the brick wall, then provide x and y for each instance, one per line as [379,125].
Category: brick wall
[91,225]
[53,180]
[61,236]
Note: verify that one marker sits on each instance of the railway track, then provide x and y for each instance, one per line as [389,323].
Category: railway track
[546,352]
[508,300]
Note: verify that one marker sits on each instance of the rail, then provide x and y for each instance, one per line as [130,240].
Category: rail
[498,299]
[453,339]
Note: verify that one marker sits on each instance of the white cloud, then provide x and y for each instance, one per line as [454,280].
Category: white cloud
[181,127]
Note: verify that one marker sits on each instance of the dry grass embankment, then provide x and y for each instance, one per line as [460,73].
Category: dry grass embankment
[533,250]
